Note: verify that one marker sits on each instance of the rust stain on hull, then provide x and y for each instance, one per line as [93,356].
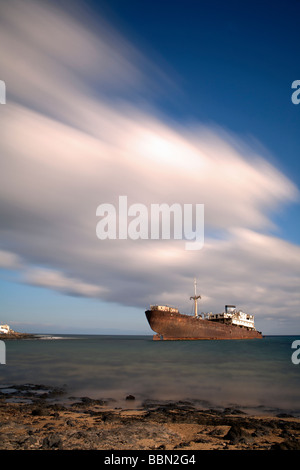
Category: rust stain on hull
[177,326]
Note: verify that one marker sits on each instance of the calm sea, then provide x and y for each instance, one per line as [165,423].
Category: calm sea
[250,374]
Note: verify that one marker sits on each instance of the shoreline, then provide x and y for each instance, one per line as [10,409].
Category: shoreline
[14,336]
[39,417]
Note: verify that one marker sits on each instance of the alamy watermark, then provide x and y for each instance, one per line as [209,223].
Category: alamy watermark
[2,92]
[160,221]
[296,354]
[296,94]
[2,353]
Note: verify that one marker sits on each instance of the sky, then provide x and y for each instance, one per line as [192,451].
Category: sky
[164,103]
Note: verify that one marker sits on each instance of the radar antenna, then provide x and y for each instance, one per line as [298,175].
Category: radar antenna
[195,298]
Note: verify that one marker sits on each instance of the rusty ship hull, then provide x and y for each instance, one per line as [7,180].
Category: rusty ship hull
[178,326]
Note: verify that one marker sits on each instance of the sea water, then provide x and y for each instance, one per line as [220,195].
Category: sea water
[251,374]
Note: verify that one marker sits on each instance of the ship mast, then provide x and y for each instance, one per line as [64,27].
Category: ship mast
[195,298]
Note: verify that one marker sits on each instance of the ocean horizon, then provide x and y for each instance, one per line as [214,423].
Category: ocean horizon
[255,375]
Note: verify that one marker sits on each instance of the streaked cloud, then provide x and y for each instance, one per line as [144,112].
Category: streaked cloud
[56,280]
[9,260]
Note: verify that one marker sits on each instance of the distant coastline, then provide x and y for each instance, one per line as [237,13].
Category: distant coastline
[16,335]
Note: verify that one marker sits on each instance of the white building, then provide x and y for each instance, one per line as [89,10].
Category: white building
[4,329]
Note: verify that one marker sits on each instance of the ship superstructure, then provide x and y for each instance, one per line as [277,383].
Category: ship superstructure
[169,323]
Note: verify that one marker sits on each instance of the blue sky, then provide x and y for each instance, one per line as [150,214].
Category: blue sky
[93,94]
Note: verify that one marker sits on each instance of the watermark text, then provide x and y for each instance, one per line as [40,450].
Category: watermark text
[2,352]
[160,221]
[296,94]
[2,92]
[296,354]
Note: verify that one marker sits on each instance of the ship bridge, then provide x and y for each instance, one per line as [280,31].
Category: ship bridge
[234,316]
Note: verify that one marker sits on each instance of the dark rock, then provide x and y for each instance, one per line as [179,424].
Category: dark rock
[104,416]
[57,407]
[52,441]
[217,431]
[200,440]
[76,405]
[291,444]
[237,434]
[48,426]
[70,422]
[41,411]
[130,397]
[31,441]
[260,429]
[233,411]
[183,444]
[79,435]
[87,400]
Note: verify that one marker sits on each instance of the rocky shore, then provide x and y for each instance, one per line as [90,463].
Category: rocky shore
[36,417]
[15,335]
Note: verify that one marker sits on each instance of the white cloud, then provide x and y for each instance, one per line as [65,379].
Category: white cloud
[56,280]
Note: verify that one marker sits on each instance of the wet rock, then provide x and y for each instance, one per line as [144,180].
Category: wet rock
[29,393]
[130,397]
[89,402]
[233,411]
